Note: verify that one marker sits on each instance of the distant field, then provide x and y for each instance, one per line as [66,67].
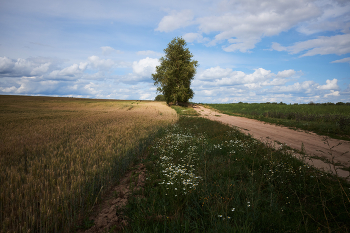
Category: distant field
[57,155]
[325,119]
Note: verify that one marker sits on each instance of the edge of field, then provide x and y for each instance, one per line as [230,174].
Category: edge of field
[282,122]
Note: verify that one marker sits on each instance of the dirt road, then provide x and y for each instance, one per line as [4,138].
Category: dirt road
[313,144]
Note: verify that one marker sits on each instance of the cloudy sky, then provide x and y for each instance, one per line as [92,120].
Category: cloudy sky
[294,51]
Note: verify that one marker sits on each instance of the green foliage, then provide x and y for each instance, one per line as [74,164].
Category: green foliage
[159,98]
[174,74]
[185,111]
[204,176]
[326,119]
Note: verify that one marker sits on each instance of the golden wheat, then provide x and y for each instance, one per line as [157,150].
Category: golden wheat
[57,154]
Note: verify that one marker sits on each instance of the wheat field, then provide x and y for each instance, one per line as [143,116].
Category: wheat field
[57,155]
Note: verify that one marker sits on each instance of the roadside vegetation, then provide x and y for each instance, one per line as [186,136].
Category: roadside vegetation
[59,155]
[328,119]
[203,176]
[185,110]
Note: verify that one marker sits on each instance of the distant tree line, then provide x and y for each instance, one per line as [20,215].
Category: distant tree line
[310,103]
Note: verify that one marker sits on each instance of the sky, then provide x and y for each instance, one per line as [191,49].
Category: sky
[255,51]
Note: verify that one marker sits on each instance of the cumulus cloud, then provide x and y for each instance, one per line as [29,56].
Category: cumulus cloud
[40,69]
[99,63]
[175,20]
[69,72]
[333,93]
[5,64]
[286,73]
[331,84]
[26,67]
[219,76]
[145,67]
[220,85]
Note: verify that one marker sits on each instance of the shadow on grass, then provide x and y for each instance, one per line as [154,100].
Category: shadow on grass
[204,176]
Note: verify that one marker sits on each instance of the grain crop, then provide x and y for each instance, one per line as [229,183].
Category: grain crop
[57,155]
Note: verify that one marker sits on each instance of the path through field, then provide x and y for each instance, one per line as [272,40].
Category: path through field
[314,145]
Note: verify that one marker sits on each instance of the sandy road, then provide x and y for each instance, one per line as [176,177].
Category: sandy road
[314,145]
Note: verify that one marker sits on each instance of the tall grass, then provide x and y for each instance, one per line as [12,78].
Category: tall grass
[332,120]
[58,155]
[204,176]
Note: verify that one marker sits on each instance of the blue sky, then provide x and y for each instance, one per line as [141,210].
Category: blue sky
[248,50]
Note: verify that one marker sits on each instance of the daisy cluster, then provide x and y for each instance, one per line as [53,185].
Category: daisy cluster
[178,158]
[235,145]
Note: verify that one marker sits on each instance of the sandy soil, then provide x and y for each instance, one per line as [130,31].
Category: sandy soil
[313,144]
[108,216]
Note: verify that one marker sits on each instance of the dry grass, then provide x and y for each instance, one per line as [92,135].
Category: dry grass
[57,155]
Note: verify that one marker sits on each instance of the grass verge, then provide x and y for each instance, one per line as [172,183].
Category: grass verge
[204,176]
[329,120]
[185,111]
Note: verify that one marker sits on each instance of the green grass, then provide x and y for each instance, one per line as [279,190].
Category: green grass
[185,111]
[331,120]
[204,176]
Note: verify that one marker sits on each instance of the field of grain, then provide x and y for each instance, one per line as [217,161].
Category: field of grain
[58,155]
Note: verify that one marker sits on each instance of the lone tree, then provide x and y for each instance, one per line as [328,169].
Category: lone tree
[175,72]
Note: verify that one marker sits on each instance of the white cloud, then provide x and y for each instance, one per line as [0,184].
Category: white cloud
[98,63]
[23,65]
[146,96]
[41,69]
[333,93]
[69,73]
[26,67]
[145,67]
[191,37]
[215,73]
[244,23]
[175,20]
[5,64]
[339,44]
[219,76]
[344,60]
[331,84]
[107,50]
[8,89]
[278,47]
[335,16]
[286,73]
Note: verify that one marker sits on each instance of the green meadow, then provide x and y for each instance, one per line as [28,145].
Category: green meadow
[204,176]
[328,119]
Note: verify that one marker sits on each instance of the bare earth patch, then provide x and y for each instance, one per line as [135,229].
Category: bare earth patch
[312,144]
[108,216]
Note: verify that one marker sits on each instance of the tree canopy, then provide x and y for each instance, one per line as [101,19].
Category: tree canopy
[176,70]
